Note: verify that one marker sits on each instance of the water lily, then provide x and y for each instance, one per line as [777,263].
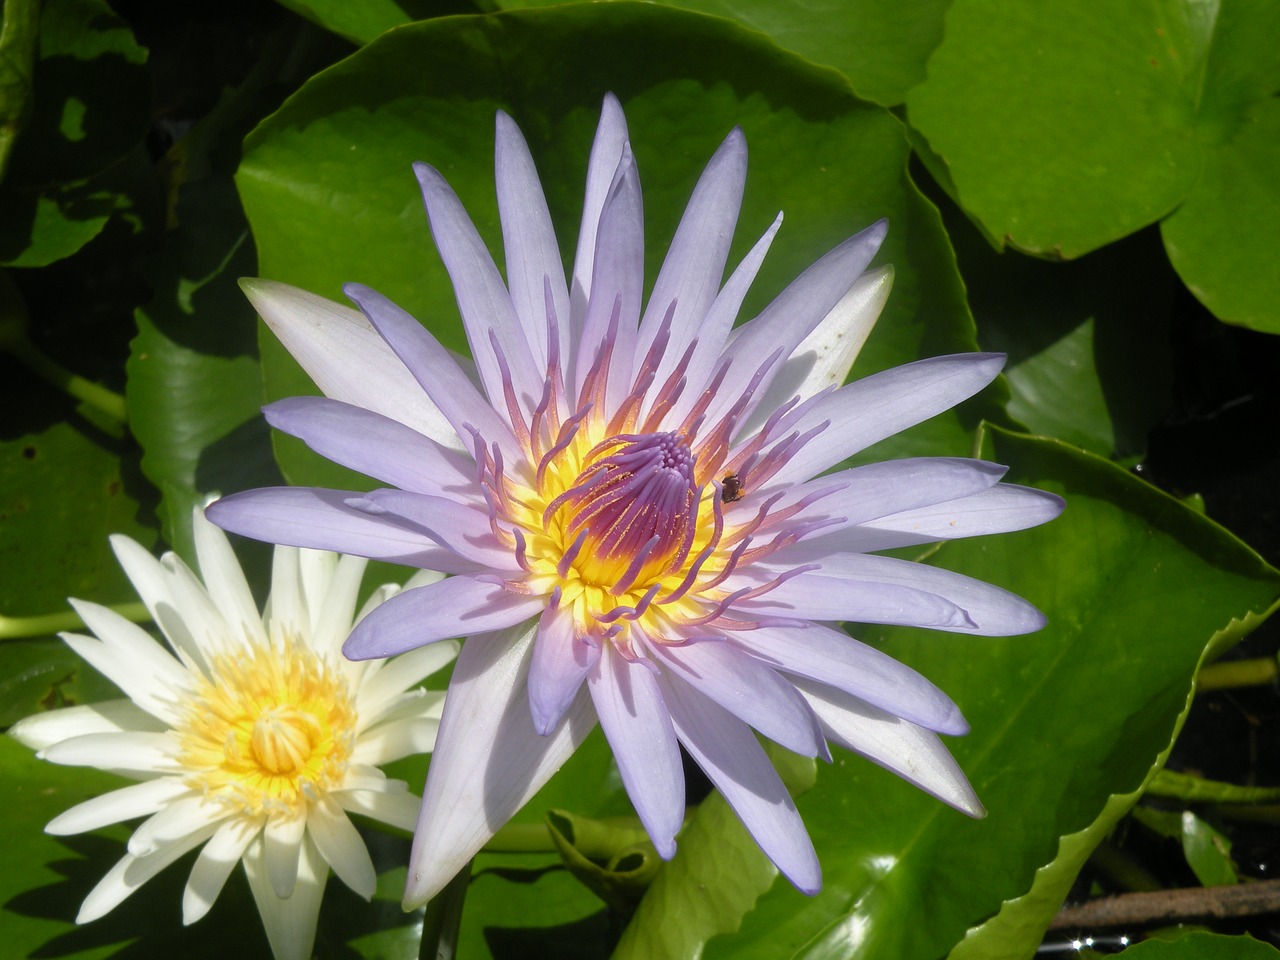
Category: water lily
[631,500]
[252,737]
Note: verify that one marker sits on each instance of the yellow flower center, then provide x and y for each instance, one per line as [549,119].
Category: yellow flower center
[270,726]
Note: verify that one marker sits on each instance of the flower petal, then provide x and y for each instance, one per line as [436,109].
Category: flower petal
[395,739]
[342,848]
[377,446]
[437,373]
[824,358]
[130,873]
[727,751]
[1003,508]
[990,610]
[795,312]
[811,596]
[127,803]
[529,240]
[482,297]
[913,753]
[860,413]
[347,358]
[456,607]
[606,151]
[833,658]
[283,838]
[458,527]
[638,727]
[398,675]
[694,266]
[177,819]
[748,689]
[213,866]
[41,730]
[561,661]
[224,579]
[394,805]
[617,286]
[488,760]
[290,922]
[322,520]
[131,754]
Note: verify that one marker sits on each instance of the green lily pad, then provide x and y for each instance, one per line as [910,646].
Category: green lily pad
[1170,108]
[328,190]
[880,45]
[1202,946]
[1135,587]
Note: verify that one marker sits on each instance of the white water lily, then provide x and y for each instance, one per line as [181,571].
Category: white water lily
[253,738]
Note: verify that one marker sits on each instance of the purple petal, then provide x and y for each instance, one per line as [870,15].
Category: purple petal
[460,527]
[713,331]
[728,752]
[862,494]
[881,405]
[346,357]
[990,610]
[529,240]
[320,519]
[1003,508]
[617,285]
[814,597]
[833,658]
[561,661]
[694,265]
[796,311]
[437,373]
[748,689]
[636,723]
[824,358]
[455,607]
[913,753]
[606,152]
[488,760]
[375,445]
[482,297]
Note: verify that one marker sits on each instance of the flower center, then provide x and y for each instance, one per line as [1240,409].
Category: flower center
[632,510]
[268,728]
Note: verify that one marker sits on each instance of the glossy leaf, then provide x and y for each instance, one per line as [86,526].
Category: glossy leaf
[1135,587]
[1202,946]
[1208,852]
[880,45]
[328,189]
[1170,109]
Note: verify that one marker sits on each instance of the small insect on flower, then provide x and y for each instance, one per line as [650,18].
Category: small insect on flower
[730,488]
[570,489]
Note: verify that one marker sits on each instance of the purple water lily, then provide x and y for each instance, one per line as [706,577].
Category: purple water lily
[631,502]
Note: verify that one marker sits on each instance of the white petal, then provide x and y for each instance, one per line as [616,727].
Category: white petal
[176,820]
[130,658]
[127,803]
[340,845]
[282,840]
[290,922]
[224,578]
[398,674]
[213,866]
[132,872]
[346,358]
[41,730]
[397,807]
[139,755]
[336,611]
[395,739]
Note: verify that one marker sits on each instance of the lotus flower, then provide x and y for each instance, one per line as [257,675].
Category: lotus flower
[632,503]
[252,739]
